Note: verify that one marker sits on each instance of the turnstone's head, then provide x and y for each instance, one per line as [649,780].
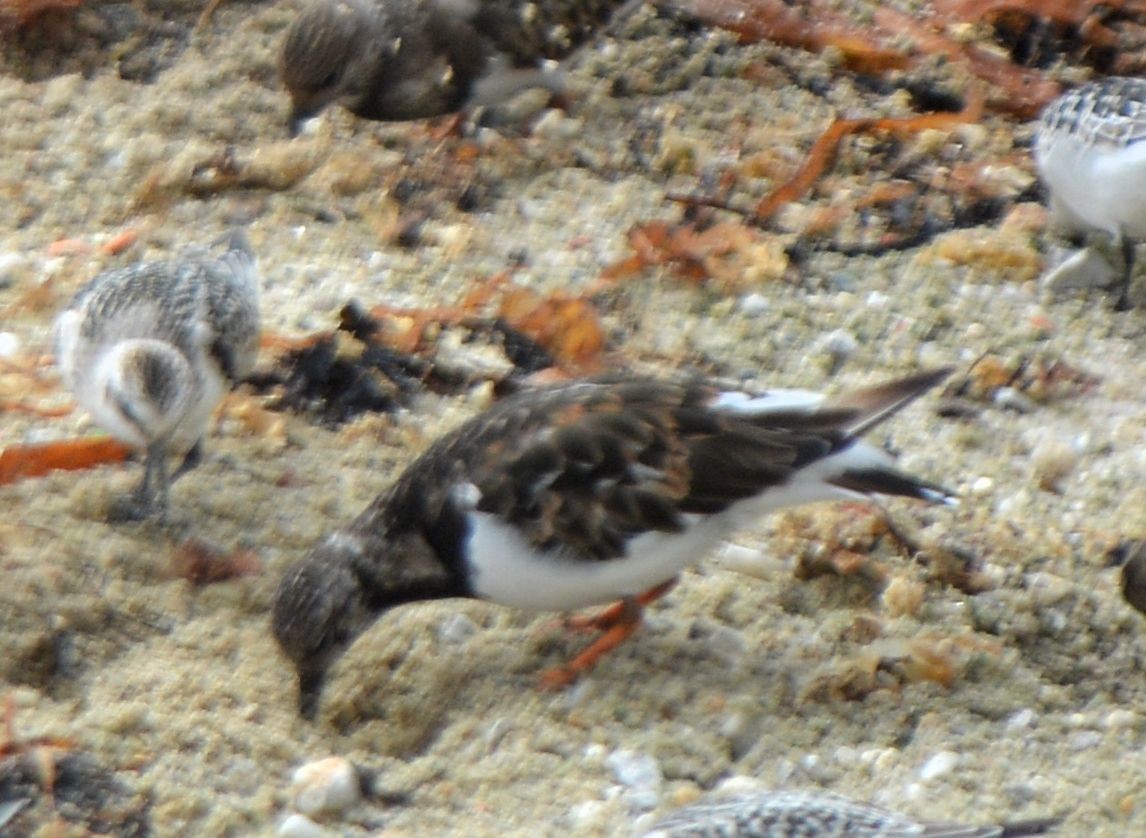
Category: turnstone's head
[320,607]
[342,586]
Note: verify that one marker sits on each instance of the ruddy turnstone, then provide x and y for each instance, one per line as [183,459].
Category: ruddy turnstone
[393,60]
[150,349]
[818,814]
[1091,154]
[581,494]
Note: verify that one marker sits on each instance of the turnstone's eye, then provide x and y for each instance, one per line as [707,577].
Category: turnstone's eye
[331,80]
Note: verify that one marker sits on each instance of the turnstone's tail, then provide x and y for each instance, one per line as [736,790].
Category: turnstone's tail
[831,459]
[871,406]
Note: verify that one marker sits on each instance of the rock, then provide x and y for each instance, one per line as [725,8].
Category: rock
[327,785]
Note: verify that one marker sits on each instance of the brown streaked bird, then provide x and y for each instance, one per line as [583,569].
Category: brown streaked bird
[820,814]
[150,349]
[394,60]
[586,493]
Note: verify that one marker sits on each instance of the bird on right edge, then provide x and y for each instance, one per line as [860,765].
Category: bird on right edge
[1090,151]
[396,60]
[596,491]
[819,814]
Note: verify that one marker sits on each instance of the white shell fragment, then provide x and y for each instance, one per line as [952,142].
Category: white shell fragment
[328,785]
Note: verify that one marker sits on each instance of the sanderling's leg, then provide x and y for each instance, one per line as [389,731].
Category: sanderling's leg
[151,494]
[191,460]
[1128,254]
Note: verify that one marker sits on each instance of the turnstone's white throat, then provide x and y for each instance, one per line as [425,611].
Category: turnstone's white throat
[1091,154]
[585,493]
[818,814]
[393,60]
[150,349]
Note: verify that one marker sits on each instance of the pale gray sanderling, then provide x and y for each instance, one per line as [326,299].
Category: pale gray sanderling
[392,60]
[818,814]
[586,493]
[150,349]
[1091,154]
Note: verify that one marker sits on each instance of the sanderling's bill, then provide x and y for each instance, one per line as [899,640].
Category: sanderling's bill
[150,349]
[1091,154]
[393,60]
[586,493]
[818,814]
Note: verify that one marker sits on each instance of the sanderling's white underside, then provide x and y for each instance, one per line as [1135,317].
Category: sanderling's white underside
[1091,154]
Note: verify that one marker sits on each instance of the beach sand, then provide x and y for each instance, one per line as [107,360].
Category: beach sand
[1012,690]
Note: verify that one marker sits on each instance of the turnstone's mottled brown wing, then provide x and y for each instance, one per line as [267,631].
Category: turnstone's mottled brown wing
[590,466]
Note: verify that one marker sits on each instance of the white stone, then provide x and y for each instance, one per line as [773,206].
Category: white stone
[1120,718]
[327,785]
[456,629]
[9,345]
[939,764]
[1023,720]
[753,305]
[635,770]
[300,826]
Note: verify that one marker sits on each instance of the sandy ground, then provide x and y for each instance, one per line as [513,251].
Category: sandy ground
[1022,698]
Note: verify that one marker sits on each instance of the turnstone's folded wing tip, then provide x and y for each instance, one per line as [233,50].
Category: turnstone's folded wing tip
[876,404]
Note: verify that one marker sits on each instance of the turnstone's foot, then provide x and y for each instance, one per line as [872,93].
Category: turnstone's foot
[615,613]
[618,623]
[625,624]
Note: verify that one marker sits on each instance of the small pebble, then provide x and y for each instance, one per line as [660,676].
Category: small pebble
[1008,398]
[300,826]
[982,486]
[9,345]
[1023,720]
[941,763]
[753,305]
[1080,270]
[327,785]
[755,563]
[840,344]
[584,816]
[1084,740]
[1120,719]
[456,629]
[637,771]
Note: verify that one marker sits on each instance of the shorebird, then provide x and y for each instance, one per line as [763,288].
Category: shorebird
[150,349]
[1091,154]
[592,492]
[393,60]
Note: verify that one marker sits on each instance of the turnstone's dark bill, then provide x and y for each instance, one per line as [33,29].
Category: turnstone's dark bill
[585,493]
[150,349]
[393,60]
[1091,153]
[819,814]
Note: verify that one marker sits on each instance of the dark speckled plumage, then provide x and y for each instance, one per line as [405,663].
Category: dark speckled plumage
[818,814]
[580,494]
[392,60]
[149,349]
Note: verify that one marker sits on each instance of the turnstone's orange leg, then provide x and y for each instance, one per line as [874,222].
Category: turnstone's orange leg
[608,618]
[618,622]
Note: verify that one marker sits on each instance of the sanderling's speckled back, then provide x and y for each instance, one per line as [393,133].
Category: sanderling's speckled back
[1091,154]
[818,814]
[150,349]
